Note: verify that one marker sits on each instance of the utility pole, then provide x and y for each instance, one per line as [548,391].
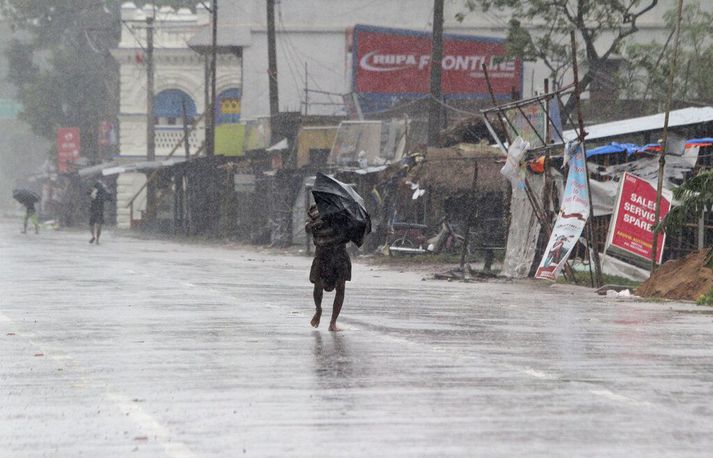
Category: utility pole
[434,112]
[150,119]
[206,95]
[210,140]
[272,67]
[664,146]
[597,281]
[306,90]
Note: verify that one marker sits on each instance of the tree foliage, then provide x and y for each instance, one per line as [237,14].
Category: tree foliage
[62,67]
[694,196]
[601,27]
[648,65]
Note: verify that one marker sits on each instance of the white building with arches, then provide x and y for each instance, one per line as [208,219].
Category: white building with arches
[179,84]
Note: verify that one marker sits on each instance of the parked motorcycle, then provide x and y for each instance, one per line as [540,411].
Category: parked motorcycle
[447,240]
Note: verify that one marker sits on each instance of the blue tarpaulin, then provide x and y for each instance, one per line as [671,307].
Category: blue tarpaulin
[628,148]
[700,141]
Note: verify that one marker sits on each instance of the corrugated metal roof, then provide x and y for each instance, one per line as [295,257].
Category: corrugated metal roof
[677,118]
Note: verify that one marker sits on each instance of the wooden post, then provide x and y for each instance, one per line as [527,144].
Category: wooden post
[662,155]
[210,151]
[471,217]
[150,119]
[308,237]
[272,68]
[434,112]
[597,280]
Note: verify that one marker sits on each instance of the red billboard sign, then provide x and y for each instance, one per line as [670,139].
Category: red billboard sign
[634,215]
[394,62]
[68,147]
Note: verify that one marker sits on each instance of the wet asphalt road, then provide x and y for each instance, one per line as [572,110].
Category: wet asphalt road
[155,349]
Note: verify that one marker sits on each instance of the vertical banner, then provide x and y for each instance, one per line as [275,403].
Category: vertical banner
[570,222]
[68,147]
[107,136]
[630,232]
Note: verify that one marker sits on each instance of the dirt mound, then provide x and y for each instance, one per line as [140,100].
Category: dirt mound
[686,278]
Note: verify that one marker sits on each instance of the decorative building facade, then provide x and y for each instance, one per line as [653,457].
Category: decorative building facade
[180,86]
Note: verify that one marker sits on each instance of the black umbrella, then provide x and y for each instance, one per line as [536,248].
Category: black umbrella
[102,190]
[25,196]
[341,206]
[101,186]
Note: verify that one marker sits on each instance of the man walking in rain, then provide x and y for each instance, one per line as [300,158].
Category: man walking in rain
[339,217]
[331,267]
[28,199]
[30,215]
[98,195]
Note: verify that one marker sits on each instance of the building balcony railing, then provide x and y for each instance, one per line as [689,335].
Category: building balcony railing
[168,136]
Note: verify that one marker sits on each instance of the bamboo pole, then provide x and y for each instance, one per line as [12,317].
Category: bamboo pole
[597,280]
[662,155]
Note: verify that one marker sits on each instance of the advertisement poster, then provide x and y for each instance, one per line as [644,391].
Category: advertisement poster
[107,135]
[630,232]
[68,147]
[394,64]
[229,133]
[570,222]
[530,123]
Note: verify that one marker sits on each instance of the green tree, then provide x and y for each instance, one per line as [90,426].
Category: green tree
[694,197]
[601,27]
[648,65]
[63,70]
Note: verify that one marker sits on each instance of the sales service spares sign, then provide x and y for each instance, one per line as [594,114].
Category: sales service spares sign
[630,232]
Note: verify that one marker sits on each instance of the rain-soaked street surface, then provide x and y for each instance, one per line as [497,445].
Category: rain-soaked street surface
[156,349]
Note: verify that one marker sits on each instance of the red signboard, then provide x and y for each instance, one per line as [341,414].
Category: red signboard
[398,62]
[633,219]
[68,147]
[106,133]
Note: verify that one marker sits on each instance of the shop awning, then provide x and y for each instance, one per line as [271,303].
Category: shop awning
[677,118]
[142,166]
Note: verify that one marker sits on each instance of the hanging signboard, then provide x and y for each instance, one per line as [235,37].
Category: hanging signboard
[529,122]
[228,107]
[570,222]
[630,232]
[68,147]
[389,65]
[107,135]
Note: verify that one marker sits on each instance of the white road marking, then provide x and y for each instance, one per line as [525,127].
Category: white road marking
[619,398]
[148,424]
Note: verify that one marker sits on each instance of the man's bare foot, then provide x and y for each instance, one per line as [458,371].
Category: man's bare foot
[315,319]
[334,328]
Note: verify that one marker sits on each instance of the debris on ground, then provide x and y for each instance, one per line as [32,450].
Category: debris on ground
[686,278]
[465,274]
[605,290]
[624,293]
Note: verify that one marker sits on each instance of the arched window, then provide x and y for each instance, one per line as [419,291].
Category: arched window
[168,107]
[228,107]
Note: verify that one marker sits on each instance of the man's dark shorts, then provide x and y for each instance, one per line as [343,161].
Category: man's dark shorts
[96,218]
[331,266]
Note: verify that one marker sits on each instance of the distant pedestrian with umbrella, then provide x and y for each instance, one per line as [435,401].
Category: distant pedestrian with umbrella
[98,196]
[337,218]
[28,199]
